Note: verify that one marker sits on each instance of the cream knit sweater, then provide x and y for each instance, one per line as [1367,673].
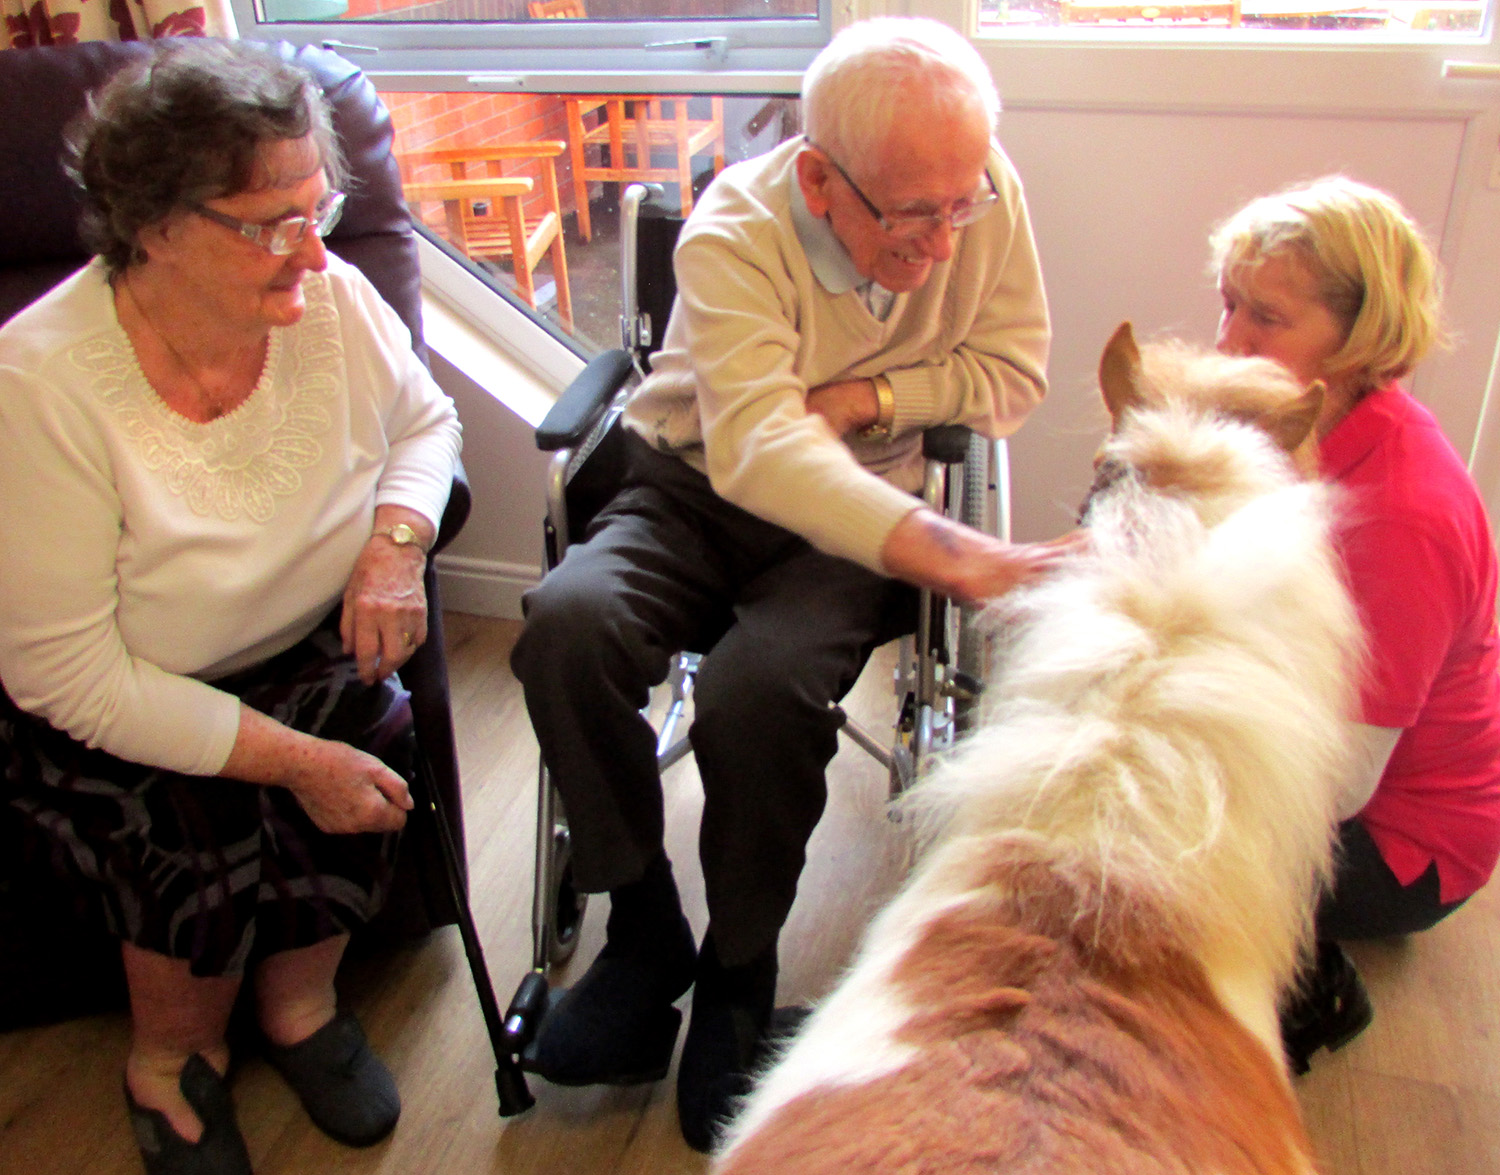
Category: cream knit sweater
[753,329]
[145,552]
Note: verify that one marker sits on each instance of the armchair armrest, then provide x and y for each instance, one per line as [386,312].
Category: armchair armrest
[456,512]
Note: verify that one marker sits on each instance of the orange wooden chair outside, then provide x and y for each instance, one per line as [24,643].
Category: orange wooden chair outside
[648,137]
[486,211]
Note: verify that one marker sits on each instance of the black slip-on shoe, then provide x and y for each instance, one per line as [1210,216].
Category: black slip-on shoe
[221,1148]
[617,1025]
[345,1088]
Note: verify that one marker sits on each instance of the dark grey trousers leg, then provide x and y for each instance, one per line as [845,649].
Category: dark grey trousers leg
[601,631]
[670,565]
[764,733]
[1367,900]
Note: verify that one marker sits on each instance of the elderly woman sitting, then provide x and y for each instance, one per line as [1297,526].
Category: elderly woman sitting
[235,465]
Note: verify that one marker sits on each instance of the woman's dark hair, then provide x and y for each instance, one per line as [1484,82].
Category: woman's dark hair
[184,126]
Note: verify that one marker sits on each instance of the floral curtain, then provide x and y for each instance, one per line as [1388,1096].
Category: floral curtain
[66,22]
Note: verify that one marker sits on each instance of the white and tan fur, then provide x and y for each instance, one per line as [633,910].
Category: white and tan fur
[1083,973]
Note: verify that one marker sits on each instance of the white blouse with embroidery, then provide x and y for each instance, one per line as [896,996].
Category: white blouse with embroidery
[142,554]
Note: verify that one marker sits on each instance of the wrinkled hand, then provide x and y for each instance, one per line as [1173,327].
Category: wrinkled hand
[341,788]
[932,551]
[991,573]
[344,789]
[385,608]
[847,405]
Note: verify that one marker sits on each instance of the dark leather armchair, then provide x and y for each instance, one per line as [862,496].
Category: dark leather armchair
[53,962]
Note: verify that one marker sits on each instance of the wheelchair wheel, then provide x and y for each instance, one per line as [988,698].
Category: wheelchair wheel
[568,905]
[980,500]
[978,508]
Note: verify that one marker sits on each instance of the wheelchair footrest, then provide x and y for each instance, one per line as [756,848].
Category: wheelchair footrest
[525,1011]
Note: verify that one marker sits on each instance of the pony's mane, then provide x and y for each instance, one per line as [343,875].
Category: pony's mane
[1246,389]
[1167,729]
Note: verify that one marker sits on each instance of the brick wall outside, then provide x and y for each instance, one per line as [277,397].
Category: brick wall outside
[435,121]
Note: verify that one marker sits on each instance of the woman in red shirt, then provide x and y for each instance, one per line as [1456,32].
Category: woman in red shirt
[1335,281]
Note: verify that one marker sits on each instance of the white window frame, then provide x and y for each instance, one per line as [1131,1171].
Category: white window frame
[729,56]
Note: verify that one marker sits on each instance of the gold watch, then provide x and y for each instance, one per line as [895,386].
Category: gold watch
[403,536]
[885,411]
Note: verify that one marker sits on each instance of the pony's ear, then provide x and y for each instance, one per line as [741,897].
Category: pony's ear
[1293,422]
[1120,373]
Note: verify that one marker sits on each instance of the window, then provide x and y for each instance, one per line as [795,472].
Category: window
[577,11]
[1387,19]
[465,77]
[476,166]
[1089,95]
[500,42]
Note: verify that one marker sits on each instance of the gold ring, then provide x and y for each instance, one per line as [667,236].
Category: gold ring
[408,639]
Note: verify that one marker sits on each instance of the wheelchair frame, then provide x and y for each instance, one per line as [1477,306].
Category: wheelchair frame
[939,667]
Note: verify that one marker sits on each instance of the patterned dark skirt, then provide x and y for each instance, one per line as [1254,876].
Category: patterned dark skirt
[216,871]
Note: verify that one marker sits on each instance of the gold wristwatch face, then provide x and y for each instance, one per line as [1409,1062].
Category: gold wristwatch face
[401,534]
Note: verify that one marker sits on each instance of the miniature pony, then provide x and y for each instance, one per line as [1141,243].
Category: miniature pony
[1083,973]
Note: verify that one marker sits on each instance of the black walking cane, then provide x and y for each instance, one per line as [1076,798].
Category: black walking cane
[510,1035]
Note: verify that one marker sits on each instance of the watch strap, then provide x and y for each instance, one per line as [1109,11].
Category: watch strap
[402,534]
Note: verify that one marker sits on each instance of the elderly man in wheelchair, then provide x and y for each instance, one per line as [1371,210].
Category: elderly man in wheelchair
[835,297]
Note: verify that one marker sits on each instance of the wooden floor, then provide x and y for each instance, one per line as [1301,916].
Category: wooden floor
[1418,1093]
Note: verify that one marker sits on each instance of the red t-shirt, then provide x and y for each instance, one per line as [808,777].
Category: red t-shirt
[1420,559]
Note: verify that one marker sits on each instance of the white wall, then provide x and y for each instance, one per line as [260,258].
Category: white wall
[1122,203]
[499,553]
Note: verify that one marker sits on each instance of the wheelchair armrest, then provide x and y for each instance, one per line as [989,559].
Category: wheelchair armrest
[948,443]
[456,512]
[583,401]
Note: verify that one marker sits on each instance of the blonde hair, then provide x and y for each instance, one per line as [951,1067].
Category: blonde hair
[1373,268]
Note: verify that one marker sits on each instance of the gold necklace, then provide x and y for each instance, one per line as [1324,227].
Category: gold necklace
[214,406]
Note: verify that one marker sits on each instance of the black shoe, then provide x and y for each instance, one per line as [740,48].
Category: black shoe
[617,1025]
[732,1032]
[345,1088]
[221,1148]
[1330,1010]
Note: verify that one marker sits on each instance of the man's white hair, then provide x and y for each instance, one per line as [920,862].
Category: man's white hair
[874,71]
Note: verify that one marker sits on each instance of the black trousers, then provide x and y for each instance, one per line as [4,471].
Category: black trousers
[669,565]
[1368,901]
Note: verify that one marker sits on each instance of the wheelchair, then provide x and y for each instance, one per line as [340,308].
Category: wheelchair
[939,666]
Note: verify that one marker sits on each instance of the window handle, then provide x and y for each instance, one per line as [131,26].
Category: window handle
[345,47]
[1477,70]
[717,46]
